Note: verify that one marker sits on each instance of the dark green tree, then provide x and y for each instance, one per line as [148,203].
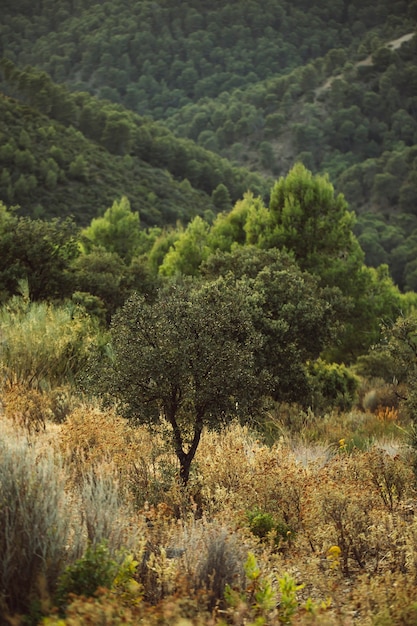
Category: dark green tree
[100,274]
[40,252]
[293,315]
[221,198]
[187,358]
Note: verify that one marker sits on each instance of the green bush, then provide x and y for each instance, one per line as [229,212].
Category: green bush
[96,568]
[332,385]
[42,345]
[265,525]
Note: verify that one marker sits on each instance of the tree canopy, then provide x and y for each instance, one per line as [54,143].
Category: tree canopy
[187,358]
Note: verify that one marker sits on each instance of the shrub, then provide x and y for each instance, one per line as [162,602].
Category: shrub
[220,565]
[265,526]
[34,524]
[380,398]
[105,514]
[42,345]
[333,386]
[27,408]
[96,568]
[213,559]
[91,437]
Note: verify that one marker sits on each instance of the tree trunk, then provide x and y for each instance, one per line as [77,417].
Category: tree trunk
[186,458]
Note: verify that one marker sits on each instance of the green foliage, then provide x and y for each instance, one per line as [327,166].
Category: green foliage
[259,595]
[265,602]
[229,228]
[397,351]
[265,526]
[187,357]
[288,601]
[305,101]
[306,218]
[78,169]
[39,252]
[239,46]
[188,252]
[221,198]
[294,316]
[135,140]
[96,568]
[333,386]
[88,177]
[373,299]
[100,274]
[118,230]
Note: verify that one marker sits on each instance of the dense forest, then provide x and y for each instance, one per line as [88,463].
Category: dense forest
[331,85]
[208,313]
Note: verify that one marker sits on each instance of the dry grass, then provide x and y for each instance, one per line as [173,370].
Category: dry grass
[343,522]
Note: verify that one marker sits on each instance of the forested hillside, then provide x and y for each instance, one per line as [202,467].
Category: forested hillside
[331,84]
[155,57]
[355,120]
[72,154]
[50,170]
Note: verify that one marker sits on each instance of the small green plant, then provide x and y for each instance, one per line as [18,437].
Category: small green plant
[288,603]
[260,596]
[265,603]
[125,585]
[265,526]
[96,568]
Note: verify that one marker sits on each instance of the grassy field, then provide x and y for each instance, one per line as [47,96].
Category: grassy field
[309,522]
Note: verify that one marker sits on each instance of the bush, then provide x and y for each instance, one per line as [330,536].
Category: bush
[96,568]
[26,407]
[220,564]
[333,386]
[34,523]
[106,516]
[265,526]
[42,345]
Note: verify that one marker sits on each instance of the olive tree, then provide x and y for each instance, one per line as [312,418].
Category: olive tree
[186,358]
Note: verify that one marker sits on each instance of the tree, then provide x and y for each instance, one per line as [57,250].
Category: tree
[40,252]
[116,135]
[221,198]
[307,218]
[100,274]
[188,251]
[118,230]
[292,314]
[229,228]
[186,358]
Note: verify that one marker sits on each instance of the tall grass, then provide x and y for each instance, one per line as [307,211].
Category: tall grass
[105,514]
[40,344]
[340,521]
[34,529]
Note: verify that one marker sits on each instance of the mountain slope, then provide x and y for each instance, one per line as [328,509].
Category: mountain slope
[64,153]
[54,171]
[155,57]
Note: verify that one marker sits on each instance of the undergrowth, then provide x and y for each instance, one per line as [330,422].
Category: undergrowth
[316,528]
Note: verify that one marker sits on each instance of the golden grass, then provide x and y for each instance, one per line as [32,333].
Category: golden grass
[340,491]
